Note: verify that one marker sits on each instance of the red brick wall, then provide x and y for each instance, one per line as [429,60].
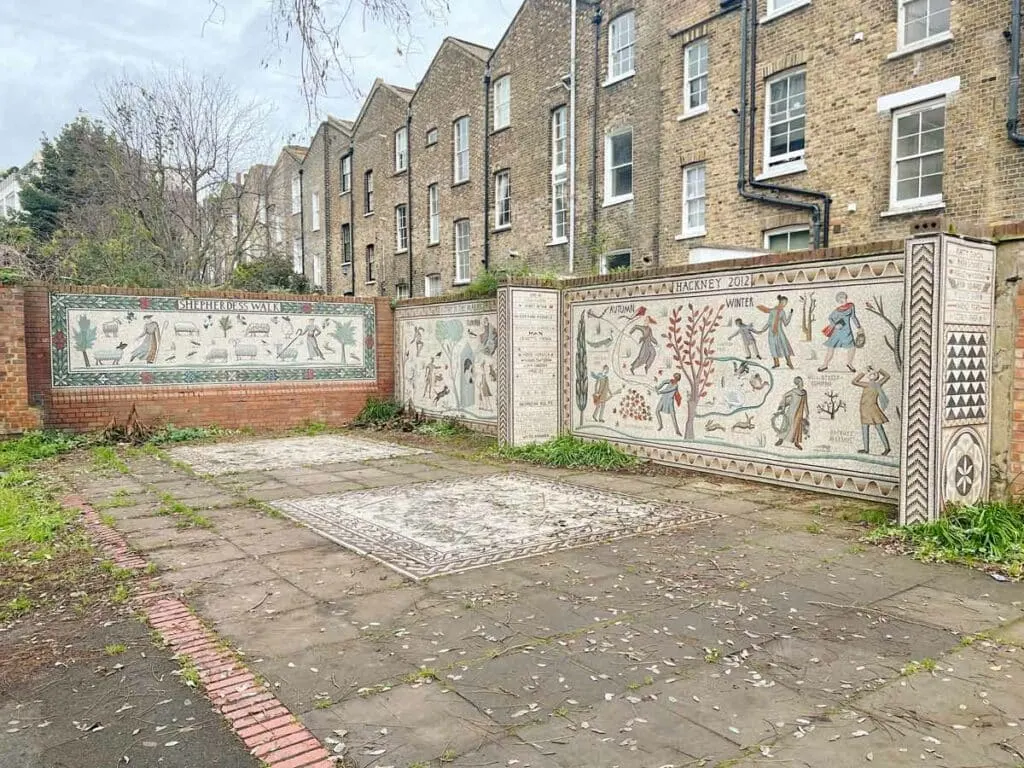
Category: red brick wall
[260,406]
[16,415]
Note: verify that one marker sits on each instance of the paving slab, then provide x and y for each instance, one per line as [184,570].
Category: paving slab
[286,633]
[262,598]
[956,612]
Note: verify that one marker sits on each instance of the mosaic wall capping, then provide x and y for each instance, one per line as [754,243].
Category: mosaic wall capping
[108,340]
[789,374]
[446,362]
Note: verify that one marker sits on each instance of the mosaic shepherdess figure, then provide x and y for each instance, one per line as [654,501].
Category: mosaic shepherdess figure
[791,420]
[843,331]
[873,402]
[150,345]
[312,345]
[778,343]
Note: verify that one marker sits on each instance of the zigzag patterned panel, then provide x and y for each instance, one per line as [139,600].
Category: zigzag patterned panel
[504,352]
[917,444]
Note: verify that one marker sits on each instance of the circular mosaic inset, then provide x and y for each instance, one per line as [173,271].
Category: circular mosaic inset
[964,469]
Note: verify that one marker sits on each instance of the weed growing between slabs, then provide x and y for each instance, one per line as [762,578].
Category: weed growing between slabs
[569,452]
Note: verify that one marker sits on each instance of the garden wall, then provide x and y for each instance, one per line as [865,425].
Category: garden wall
[16,415]
[234,360]
[446,361]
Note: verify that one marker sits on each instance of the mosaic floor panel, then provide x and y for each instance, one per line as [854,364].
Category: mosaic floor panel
[435,528]
[229,458]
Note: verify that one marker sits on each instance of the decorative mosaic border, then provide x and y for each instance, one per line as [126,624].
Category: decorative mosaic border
[61,374]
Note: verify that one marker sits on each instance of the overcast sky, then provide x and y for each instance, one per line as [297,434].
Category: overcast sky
[56,53]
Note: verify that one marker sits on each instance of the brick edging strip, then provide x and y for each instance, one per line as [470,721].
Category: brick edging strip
[272,733]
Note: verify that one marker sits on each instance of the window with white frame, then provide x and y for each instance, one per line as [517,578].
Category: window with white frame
[296,194]
[315,200]
[346,174]
[297,255]
[616,261]
[618,166]
[621,46]
[787,239]
[318,271]
[432,285]
[777,6]
[401,228]
[433,215]
[559,175]
[923,21]
[432,137]
[278,229]
[261,209]
[694,201]
[401,149]
[462,251]
[368,192]
[695,69]
[502,199]
[918,149]
[371,264]
[460,159]
[346,245]
[785,120]
[401,291]
[502,102]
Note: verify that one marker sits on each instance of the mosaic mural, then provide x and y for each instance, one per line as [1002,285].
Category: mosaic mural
[447,359]
[109,340]
[790,374]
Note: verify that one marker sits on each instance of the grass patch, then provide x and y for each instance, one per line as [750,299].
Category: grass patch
[116,571]
[312,429]
[378,413]
[324,703]
[169,434]
[30,521]
[105,458]
[187,517]
[15,608]
[34,446]
[189,672]
[570,452]
[443,428]
[121,594]
[115,649]
[988,535]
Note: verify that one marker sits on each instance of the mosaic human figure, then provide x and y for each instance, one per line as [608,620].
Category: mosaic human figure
[312,330]
[417,340]
[746,332]
[488,337]
[841,332]
[648,348]
[467,384]
[428,377]
[778,343]
[486,396]
[668,399]
[150,345]
[602,392]
[791,420]
[873,402]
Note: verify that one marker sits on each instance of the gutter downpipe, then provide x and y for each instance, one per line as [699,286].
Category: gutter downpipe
[408,187]
[820,212]
[302,224]
[572,139]
[487,167]
[352,212]
[595,108]
[1013,102]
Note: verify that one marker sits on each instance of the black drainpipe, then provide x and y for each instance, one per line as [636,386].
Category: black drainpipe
[594,122]
[327,214]
[821,211]
[352,210]
[408,186]
[302,224]
[487,167]
[1013,108]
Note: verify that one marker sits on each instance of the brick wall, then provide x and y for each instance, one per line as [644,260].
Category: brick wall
[284,225]
[16,415]
[261,406]
[314,230]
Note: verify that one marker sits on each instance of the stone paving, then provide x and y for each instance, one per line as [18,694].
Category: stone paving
[763,635]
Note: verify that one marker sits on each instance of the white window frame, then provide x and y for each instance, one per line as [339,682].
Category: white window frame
[559,175]
[278,229]
[296,194]
[790,162]
[463,250]
[926,202]
[689,80]
[503,199]
[621,47]
[401,149]
[368,193]
[770,233]
[346,244]
[502,90]
[297,261]
[402,291]
[460,150]
[902,46]
[431,138]
[605,256]
[433,214]
[370,262]
[401,228]
[778,8]
[261,209]
[696,198]
[432,285]
[315,210]
[609,169]
[346,174]
[318,270]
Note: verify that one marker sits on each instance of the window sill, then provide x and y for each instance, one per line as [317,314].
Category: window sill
[315,229]
[371,282]
[460,282]
[921,45]
[367,214]
[401,172]
[613,201]
[401,251]
[460,183]
[692,235]
[772,15]
[433,245]
[558,241]
[619,78]
[693,113]
[783,169]
[346,192]
[905,210]
[503,228]
[502,129]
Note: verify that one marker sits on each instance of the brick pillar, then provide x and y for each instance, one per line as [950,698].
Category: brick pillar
[1016,473]
[16,415]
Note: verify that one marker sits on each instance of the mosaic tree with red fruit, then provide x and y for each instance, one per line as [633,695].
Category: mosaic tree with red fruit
[692,342]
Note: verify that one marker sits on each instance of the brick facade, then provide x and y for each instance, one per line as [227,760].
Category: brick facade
[25,368]
[452,89]
[283,223]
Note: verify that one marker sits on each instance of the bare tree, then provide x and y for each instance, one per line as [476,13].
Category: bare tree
[831,405]
[894,341]
[185,137]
